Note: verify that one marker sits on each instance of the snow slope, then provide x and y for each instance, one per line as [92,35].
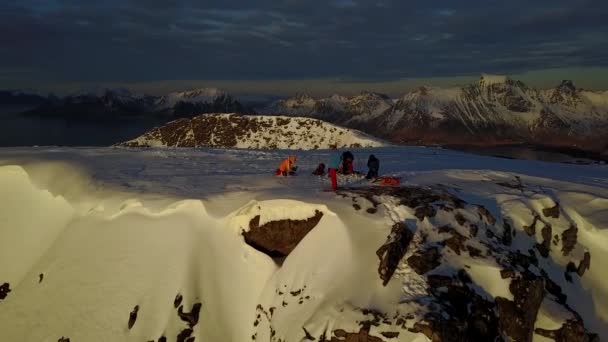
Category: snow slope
[161,230]
[258,132]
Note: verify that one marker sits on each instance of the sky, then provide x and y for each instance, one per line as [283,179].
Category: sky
[299,45]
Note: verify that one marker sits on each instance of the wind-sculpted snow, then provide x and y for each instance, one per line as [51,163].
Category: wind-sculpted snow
[258,132]
[152,245]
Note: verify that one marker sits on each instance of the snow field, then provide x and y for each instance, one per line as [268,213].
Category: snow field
[109,229]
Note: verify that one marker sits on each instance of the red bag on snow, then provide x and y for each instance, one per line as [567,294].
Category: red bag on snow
[388,180]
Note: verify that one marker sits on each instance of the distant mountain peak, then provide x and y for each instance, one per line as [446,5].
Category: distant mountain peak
[567,85]
[200,92]
[489,79]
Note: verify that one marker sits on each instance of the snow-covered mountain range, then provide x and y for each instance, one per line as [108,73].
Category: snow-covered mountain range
[493,109]
[253,131]
[110,104]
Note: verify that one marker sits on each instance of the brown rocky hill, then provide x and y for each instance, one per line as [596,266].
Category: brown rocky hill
[252,131]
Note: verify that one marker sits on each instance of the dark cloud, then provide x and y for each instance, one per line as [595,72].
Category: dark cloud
[140,40]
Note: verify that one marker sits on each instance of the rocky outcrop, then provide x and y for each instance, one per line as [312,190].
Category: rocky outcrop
[279,238]
[393,250]
[259,132]
[456,308]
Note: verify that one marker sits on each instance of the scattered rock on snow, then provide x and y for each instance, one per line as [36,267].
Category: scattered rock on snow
[569,237]
[584,265]
[456,242]
[4,290]
[307,335]
[552,212]
[361,336]
[133,316]
[190,317]
[184,335]
[545,247]
[531,229]
[177,301]
[279,238]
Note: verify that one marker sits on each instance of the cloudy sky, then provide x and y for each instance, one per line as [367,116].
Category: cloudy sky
[266,45]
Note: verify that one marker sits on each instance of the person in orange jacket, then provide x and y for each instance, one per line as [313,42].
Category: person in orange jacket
[287,166]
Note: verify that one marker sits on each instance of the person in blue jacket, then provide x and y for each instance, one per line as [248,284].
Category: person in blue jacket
[334,164]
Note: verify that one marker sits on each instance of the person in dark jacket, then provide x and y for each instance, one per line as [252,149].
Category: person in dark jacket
[374,165]
[347,163]
[320,171]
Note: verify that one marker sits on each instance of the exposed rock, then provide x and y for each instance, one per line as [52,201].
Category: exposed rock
[456,242]
[474,252]
[531,229]
[40,278]
[190,317]
[572,330]
[504,274]
[361,336]
[393,250]
[424,261]
[390,334]
[178,300]
[545,247]
[569,238]
[552,212]
[507,237]
[570,268]
[133,316]
[485,213]
[307,335]
[63,339]
[584,265]
[471,317]
[4,290]
[553,288]
[517,317]
[517,184]
[279,238]
[184,335]
[460,219]
[425,211]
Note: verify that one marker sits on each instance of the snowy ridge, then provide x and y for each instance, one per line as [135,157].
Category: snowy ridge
[336,108]
[205,95]
[252,131]
[146,245]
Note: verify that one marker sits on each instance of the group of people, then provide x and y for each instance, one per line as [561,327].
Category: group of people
[339,163]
